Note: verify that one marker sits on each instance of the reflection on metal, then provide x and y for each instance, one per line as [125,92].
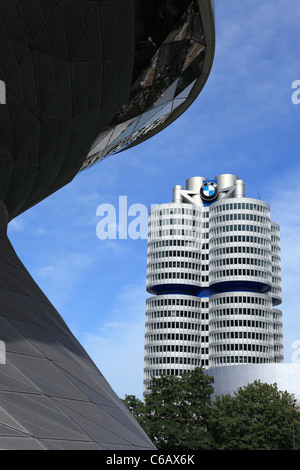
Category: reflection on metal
[228,379]
[167,66]
[2,92]
[52,395]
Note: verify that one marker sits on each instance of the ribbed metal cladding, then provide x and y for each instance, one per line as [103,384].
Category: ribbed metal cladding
[276,264]
[214,270]
[240,329]
[176,335]
[176,326]
[244,256]
[174,253]
[278,335]
[240,243]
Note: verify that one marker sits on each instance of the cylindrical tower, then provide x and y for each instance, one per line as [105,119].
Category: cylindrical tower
[174,249]
[276,292]
[176,335]
[176,326]
[246,281]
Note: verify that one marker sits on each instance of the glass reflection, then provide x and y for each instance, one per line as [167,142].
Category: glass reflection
[169,55]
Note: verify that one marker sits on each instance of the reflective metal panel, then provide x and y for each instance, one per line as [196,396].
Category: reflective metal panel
[228,379]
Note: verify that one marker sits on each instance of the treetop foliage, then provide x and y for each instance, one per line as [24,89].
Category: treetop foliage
[178,414]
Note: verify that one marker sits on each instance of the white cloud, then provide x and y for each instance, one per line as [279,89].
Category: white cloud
[41,231]
[45,271]
[118,353]
[117,345]
[15,225]
[60,279]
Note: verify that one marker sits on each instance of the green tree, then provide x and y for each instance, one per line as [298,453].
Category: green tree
[135,405]
[257,417]
[176,412]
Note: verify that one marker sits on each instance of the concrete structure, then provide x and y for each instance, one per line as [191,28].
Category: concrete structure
[214,270]
[82,80]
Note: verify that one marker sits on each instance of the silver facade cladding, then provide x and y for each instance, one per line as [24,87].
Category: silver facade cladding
[84,80]
[214,272]
[228,380]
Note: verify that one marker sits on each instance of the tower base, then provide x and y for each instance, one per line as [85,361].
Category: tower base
[228,379]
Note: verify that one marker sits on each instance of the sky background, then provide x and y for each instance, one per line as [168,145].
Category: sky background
[244,122]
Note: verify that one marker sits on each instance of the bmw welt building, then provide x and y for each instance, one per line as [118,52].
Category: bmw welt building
[79,81]
[214,272]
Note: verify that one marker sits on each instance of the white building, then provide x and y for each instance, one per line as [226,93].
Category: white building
[213,269]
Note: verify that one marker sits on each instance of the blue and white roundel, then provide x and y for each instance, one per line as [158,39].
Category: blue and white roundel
[209,191]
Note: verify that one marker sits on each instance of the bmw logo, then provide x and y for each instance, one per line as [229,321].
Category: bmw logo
[209,191]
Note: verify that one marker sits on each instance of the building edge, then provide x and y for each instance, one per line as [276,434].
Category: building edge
[52,395]
[227,380]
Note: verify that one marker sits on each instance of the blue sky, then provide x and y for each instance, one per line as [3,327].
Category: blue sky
[244,122]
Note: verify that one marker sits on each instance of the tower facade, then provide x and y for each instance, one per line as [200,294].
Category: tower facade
[214,272]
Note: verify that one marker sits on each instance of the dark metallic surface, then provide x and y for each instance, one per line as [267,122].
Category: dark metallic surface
[170,52]
[85,79]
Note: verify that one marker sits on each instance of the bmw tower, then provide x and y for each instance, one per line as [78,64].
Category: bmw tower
[214,272]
